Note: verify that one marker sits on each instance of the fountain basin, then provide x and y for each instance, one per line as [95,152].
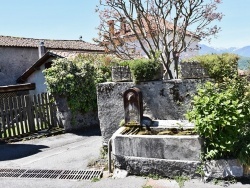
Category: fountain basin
[166,155]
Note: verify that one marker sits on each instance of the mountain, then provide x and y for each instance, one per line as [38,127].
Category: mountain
[204,49]
[207,50]
[245,51]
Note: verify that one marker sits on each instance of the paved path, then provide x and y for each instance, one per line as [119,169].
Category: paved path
[65,151]
[72,152]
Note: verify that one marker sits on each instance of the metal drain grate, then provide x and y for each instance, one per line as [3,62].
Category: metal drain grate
[15,173]
[51,174]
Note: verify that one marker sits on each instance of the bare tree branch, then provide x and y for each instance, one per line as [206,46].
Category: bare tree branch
[149,26]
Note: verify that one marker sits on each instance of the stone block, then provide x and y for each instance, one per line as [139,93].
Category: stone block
[170,147]
[165,155]
[162,167]
[223,168]
[121,74]
[119,173]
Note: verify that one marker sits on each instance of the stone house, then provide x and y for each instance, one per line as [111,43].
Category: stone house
[23,59]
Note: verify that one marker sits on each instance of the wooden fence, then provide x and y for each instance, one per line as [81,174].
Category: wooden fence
[22,115]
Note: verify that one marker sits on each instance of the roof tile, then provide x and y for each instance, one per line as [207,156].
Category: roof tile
[50,44]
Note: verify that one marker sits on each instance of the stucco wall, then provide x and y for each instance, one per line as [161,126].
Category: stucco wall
[162,100]
[38,78]
[14,61]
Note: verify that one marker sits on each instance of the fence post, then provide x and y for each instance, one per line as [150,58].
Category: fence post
[29,106]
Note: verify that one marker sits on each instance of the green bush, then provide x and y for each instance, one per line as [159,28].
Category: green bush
[221,114]
[102,64]
[221,109]
[218,66]
[76,79]
[143,69]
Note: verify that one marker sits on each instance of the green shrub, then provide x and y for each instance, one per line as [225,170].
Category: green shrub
[124,63]
[221,114]
[102,64]
[221,110]
[144,69]
[76,79]
[218,66]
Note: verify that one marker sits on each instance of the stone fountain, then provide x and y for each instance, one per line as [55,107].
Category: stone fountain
[165,155]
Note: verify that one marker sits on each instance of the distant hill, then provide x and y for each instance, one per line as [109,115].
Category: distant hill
[244,54]
[244,63]
[245,51]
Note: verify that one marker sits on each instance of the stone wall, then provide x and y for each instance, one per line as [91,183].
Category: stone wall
[163,100]
[80,121]
[193,70]
[14,61]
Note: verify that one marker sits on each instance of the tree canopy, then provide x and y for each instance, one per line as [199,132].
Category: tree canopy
[152,26]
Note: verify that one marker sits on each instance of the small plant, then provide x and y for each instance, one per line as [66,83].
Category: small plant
[95,179]
[232,180]
[181,180]
[200,171]
[103,152]
[154,176]
[216,181]
[122,123]
[224,182]
[147,186]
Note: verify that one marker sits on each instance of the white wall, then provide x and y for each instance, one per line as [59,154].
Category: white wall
[38,78]
[189,53]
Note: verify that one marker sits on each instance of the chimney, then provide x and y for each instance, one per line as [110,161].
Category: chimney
[123,25]
[41,49]
[111,24]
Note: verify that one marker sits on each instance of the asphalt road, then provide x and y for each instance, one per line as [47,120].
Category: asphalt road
[73,151]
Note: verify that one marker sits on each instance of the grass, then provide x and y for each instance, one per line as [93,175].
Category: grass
[154,176]
[95,179]
[181,180]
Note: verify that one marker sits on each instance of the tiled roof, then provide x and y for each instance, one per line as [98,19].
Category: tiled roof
[154,26]
[49,44]
[66,53]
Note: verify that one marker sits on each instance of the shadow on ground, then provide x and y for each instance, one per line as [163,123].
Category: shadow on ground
[88,131]
[17,151]
[245,180]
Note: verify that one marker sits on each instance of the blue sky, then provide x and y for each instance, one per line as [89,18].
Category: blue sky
[64,19]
